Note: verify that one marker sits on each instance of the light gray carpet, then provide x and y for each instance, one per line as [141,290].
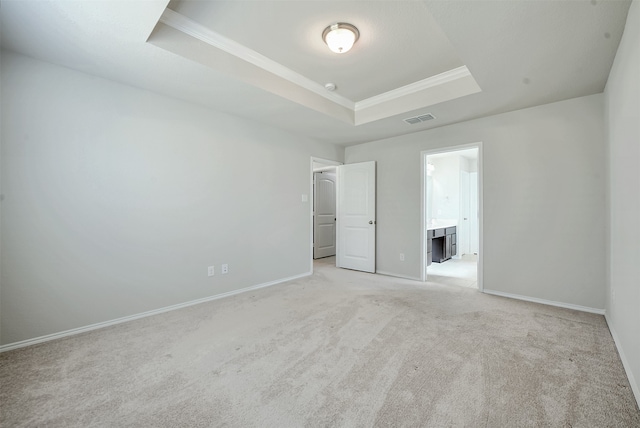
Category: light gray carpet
[340,348]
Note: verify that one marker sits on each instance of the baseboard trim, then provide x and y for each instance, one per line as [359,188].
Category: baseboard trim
[74,331]
[625,362]
[545,302]
[413,278]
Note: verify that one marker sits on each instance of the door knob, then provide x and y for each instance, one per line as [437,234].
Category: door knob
[370,221]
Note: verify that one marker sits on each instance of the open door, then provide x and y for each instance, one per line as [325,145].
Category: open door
[356,225]
[324,218]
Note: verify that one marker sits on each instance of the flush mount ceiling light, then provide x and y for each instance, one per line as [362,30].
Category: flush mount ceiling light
[340,37]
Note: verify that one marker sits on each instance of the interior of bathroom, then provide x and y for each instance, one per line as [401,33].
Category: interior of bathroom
[452,217]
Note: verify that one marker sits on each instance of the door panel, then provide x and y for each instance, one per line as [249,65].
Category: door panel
[324,219]
[356,242]
[357,216]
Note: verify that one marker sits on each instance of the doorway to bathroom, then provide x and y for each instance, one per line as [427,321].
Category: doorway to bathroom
[452,212]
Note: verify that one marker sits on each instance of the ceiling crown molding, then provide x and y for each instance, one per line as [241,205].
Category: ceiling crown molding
[423,93]
[429,82]
[182,23]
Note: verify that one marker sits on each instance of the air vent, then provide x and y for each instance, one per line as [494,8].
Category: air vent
[418,119]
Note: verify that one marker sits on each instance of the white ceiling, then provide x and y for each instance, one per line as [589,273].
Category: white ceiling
[289,32]
[209,33]
[517,53]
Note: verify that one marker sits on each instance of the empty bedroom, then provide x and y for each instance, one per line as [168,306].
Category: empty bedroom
[320,213]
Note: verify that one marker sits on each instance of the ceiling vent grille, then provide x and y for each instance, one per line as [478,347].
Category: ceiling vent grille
[418,119]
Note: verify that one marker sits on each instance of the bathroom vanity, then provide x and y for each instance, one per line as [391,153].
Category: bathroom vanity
[441,243]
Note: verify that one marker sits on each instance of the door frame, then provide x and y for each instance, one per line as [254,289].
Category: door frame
[423,207]
[322,175]
[327,163]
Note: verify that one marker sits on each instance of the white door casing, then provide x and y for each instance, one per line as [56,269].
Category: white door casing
[474,243]
[356,224]
[463,220]
[324,219]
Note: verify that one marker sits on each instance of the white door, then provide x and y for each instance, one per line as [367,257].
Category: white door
[464,222]
[324,216]
[357,217]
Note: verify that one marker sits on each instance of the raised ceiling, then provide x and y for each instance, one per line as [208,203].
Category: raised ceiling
[491,56]
[289,33]
[277,46]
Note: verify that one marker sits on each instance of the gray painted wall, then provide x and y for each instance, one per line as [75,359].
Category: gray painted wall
[544,199]
[117,200]
[622,96]
[1,197]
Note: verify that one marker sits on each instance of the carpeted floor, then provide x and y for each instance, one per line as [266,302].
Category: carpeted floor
[340,348]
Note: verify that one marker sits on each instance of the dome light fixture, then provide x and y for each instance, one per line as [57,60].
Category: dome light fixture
[340,37]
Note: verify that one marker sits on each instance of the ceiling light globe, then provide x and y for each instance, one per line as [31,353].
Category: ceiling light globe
[340,40]
[340,37]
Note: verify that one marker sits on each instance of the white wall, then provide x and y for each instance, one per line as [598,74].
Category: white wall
[544,198]
[117,200]
[622,96]
[1,198]
[446,187]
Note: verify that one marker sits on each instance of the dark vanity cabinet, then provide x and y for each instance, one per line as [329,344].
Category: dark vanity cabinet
[441,244]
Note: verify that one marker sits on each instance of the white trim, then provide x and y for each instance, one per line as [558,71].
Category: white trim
[187,26]
[480,217]
[72,332]
[395,275]
[216,40]
[412,88]
[546,302]
[327,162]
[625,361]
[423,218]
[326,169]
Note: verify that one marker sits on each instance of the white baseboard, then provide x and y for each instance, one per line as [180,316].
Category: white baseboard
[66,333]
[545,302]
[625,362]
[413,278]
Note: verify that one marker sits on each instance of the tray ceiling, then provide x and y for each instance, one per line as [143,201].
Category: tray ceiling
[277,46]
[458,60]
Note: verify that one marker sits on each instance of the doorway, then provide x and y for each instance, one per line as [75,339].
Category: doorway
[343,213]
[319,165]
[451,215]
[324,212]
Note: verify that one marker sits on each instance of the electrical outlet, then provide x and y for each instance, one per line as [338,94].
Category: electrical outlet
[211,271]
[401,257]
[225,268]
